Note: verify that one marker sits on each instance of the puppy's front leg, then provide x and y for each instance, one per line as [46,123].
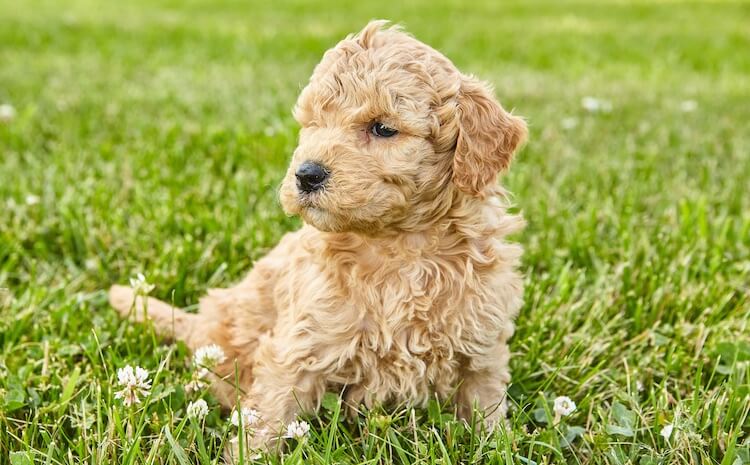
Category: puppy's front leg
[484,387]
[289,378]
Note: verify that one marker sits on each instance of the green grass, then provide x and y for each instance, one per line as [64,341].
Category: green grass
[155,134]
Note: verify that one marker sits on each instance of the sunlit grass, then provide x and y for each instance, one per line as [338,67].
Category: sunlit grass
[151,137]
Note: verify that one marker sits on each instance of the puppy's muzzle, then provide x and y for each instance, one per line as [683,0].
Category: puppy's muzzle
[311,177]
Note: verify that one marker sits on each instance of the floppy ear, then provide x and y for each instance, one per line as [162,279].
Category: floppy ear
[487,137]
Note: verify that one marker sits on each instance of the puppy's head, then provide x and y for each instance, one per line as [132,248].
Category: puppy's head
[391,133]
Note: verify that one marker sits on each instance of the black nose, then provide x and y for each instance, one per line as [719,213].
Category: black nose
[311,177]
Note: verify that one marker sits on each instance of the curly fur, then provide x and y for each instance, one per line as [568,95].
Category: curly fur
[400,286]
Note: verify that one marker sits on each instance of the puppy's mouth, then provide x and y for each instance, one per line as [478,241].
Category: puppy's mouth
[310,208]
[309,200]
[315,215]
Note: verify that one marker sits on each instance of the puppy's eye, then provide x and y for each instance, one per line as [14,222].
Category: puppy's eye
[381,130]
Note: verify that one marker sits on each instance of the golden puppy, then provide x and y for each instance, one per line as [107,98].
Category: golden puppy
[400,285]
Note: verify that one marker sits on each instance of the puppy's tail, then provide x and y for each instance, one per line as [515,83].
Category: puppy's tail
[168,321]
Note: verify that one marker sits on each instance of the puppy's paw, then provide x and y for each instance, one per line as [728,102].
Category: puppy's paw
[252,448]
[496,420]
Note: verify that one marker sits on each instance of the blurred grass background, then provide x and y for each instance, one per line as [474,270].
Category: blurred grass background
[152,135]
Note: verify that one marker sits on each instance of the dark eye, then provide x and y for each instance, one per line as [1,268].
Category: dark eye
[381,130]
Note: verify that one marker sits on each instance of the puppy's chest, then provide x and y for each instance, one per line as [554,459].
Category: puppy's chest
[408,299]
[408,326]
[409,317]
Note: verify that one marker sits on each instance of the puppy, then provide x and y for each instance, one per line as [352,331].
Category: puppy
[400,285]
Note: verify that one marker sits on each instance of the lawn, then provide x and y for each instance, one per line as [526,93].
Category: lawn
[151,136]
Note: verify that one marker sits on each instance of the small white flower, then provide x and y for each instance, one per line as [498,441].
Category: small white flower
[639,385]
[134,383]
[197,381]
[7,113]
[688,106]
[209,356]
[593,105]
[32,199]
[666,432]
[140,285]
[195,385]
[297,429]
[564,406]
[197,409]
[249,417]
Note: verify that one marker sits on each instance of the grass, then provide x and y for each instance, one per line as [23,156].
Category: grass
[151,136]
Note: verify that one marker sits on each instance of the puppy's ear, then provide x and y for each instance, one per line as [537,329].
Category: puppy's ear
[487,137]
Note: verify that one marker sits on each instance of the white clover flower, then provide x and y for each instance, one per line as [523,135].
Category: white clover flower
[564,406]
[7,113]
[195,385]
[134,383]
[594,105]
[32,199]
[666,432]
[250,417]
[688,106]
[209,356]
[197,409]
[197,381]
[638,385]
[140,285]
[297,429]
